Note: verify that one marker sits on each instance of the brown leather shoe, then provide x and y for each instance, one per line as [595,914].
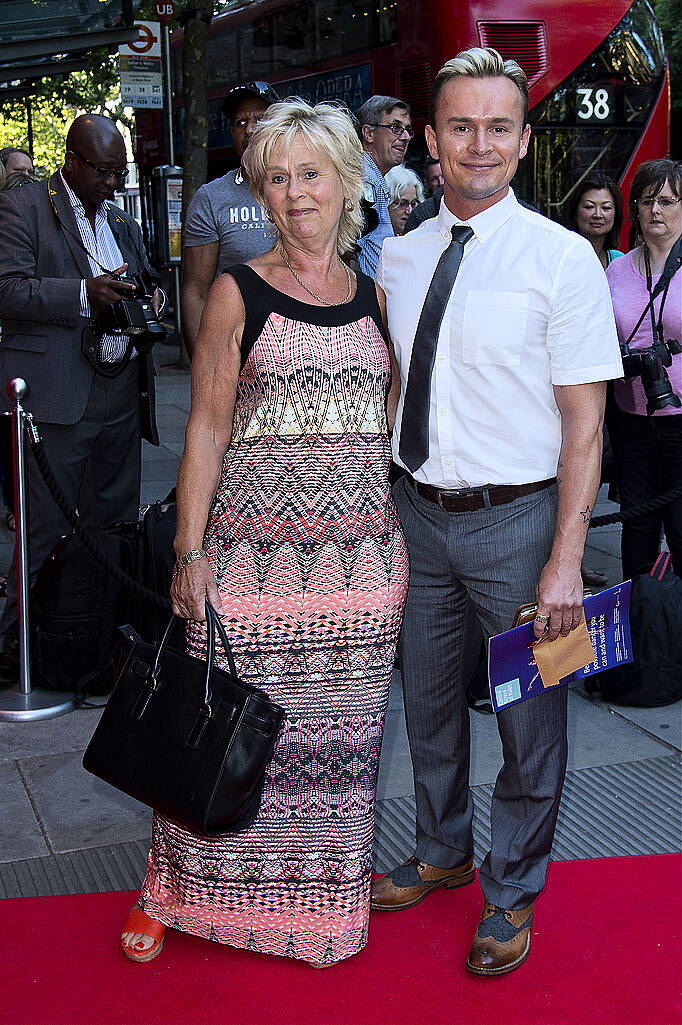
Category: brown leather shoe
[502,940]
[409,883]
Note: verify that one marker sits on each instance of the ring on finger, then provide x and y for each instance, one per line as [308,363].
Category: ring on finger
[541,619]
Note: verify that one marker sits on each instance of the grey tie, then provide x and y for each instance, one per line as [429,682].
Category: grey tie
[414,429]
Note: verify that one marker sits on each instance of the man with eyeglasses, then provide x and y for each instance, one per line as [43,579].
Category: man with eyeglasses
[385,133]
[224,225]
[63,249]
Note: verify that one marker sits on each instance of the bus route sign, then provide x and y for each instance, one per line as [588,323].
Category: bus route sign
[140,68]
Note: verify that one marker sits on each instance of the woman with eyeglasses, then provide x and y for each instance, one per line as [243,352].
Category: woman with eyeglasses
[648,453]
[406,191]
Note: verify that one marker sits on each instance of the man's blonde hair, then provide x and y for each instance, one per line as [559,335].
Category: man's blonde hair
[328,130]
[479,62]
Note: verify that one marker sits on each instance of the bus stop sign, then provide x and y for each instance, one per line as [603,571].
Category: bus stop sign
[164,10]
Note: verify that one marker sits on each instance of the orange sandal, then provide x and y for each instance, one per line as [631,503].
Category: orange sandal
[138,921]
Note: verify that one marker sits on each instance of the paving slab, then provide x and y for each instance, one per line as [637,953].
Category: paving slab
[395,767]
[171,432]
[597,736]
[21,836]
[69,732]
[76,809]
[163,467]
[176,447]
[605,539]
[664,723]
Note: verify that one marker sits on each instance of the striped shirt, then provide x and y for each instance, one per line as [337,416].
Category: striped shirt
[103,252]
[369,247]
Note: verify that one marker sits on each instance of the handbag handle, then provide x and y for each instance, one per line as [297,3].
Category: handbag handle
[213,624]
[666,557]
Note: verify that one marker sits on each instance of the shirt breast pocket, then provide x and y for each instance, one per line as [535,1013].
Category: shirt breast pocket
[494,328]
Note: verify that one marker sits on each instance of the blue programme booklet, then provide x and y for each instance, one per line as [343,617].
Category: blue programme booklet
[513,673]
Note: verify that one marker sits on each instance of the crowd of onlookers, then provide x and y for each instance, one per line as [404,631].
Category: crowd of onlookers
[16,168]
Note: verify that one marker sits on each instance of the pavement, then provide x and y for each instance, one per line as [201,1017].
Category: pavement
[63,831]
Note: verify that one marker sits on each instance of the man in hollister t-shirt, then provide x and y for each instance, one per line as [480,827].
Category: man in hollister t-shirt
[225,225]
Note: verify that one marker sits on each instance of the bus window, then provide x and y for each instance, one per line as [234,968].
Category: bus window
[594,119]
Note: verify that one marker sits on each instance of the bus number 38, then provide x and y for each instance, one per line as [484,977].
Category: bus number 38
[595,103]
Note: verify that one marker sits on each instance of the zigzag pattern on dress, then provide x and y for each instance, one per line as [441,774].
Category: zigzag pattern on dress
[312,572]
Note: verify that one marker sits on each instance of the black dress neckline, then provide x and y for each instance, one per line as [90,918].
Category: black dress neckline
[325,316]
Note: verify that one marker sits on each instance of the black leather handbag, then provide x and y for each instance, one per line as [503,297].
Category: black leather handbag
[186,738]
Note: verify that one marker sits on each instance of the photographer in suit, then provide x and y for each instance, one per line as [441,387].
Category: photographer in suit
[63,250]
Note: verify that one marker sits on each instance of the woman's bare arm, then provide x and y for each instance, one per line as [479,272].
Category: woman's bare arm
[215,373]
[394,389]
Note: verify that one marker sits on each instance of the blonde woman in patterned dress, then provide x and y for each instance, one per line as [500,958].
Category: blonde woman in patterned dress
[284,485]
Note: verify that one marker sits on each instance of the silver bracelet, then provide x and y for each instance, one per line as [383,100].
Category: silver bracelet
[191,556]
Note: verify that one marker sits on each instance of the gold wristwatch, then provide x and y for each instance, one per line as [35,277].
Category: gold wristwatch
[191,556]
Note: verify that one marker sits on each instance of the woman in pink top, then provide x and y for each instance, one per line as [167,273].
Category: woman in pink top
[648,454]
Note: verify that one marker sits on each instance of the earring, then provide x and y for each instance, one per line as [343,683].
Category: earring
[267,212]
[347,205]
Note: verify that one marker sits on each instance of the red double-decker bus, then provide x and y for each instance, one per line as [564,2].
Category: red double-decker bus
[597,73]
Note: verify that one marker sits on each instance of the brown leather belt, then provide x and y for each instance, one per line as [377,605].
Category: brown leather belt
[470,499]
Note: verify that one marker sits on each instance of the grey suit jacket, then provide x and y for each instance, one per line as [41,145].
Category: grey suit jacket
[41,267]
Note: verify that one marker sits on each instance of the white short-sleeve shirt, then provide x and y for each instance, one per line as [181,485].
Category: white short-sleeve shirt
[530,309]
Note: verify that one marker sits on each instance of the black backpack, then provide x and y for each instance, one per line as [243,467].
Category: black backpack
[76,610]
[78,606]
[654,677]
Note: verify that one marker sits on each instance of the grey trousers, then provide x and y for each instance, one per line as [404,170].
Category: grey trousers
[97,463]
[495,557]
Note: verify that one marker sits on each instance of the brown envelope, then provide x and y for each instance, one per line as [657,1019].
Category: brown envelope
[556,659]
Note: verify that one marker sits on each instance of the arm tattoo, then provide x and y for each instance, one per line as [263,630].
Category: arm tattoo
[559,478]
[585,513]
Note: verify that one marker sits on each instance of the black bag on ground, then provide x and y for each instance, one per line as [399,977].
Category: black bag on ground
[76,610]
[186,738]
[654,677]
[78,606]
[155,568]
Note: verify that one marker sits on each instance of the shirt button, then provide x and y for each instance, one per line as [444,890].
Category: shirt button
[443,412]
[441,358]
[448,462]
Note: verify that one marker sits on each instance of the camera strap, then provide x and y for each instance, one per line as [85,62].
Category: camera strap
[656,329]
[672,265]
[90,348]
[76,237]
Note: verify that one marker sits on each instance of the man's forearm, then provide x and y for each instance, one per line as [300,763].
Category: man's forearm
[578,477]
[560,588]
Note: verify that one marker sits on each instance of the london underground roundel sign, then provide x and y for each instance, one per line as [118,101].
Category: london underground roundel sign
[164,10]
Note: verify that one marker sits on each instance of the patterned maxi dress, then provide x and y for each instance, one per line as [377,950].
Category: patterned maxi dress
[312,570]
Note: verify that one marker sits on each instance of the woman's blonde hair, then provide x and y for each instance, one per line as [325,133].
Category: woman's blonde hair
[327,129]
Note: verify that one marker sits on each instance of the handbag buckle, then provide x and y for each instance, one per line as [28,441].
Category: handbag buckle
[149,686]
[197,731]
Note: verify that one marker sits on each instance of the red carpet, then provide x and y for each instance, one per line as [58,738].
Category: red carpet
[606,951]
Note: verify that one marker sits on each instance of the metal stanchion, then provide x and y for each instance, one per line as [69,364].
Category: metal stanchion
[22,702]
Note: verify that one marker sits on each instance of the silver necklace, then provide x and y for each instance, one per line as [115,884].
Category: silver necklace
[310,291]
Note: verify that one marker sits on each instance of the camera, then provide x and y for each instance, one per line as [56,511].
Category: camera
[650,364]
[133,317]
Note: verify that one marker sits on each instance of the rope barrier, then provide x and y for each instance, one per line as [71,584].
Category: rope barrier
[89,536]
[625,515]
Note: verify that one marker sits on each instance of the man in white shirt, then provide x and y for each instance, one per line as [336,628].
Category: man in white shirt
[501,440]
